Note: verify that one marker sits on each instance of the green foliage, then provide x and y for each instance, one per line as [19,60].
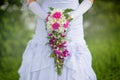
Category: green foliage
[103,36]
[13,38]
[52,55]
[51,8]
[68,10]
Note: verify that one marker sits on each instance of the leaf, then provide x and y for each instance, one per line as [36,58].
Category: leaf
[70,19]
[49,12]
[51,8]
[48,37]
[52,55]
[47,43]
[67,10]
[59,71]
[66,15]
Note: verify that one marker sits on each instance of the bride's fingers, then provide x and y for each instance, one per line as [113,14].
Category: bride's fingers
[29,1]
[92,1]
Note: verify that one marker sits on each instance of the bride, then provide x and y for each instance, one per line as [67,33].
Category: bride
[37,64]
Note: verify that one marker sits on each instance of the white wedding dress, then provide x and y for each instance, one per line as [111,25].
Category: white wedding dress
[37,65]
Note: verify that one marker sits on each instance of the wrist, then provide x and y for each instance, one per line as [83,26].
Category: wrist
[30,1]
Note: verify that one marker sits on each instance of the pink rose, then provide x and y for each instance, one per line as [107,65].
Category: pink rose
[57,15]
[55,26]
[66,24]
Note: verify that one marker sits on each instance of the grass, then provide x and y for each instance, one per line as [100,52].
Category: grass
[105,49]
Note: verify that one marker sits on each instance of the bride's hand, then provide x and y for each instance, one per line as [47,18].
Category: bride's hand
[29,1]
[83,7]
[92,1]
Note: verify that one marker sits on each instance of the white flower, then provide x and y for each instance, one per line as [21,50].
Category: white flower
[61,29]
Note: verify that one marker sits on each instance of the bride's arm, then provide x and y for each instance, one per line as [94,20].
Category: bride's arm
[36,9]
[82,8]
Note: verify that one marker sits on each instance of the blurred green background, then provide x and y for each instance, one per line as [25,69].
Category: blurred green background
[102,34]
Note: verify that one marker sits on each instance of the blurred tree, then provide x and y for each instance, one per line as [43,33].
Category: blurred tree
[13,36]
[102,32]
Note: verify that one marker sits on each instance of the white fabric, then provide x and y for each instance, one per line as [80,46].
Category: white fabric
[74,4]
[25,3]
[35,8]
[36,63]
[82,8]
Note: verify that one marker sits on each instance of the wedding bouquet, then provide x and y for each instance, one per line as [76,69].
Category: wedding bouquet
[57,24]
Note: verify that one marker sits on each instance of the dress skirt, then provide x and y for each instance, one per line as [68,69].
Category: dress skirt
[37,65]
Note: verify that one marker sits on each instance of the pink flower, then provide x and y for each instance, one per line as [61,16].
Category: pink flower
[57,51]
[57,15]
[52,40]
[52,45]
[62,59]
[66,53]
[47,18]
[60,46]
[63,34]
[55,26]
[50,34]
[66,24]
[64,42]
